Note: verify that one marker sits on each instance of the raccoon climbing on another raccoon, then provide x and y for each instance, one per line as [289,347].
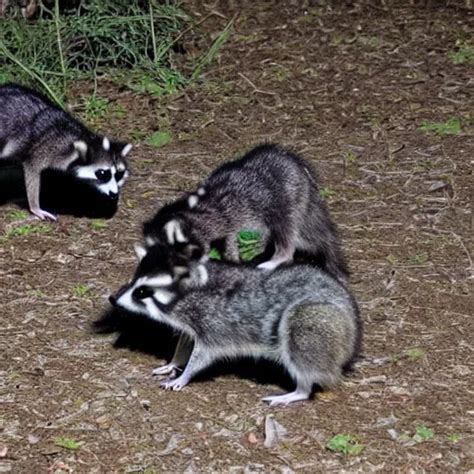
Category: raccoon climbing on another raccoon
[41,135]
[296,316]
[269,190]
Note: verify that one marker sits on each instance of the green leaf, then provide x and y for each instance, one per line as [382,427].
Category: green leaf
[98,224]
[67,443]
[214,254]
[454,438]
[450,127]
[423,433]
[250,244]
[327,193]
[159,139]
[345,444]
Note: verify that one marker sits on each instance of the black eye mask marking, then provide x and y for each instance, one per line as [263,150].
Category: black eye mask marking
[142,292]
[119,175]
[103,175]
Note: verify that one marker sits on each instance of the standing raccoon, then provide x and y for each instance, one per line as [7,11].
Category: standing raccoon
[40,135]
[296,316]
[269,190]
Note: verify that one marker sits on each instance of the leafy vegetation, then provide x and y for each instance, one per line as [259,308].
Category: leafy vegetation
[81,290]
[98,224]
[18,215]
[159,139]
[67,443]
[450,127]
[25,229]
[463,55]
[327,193]
[128,41]
[422,433]
[345,444]
[250,244]
[214,254]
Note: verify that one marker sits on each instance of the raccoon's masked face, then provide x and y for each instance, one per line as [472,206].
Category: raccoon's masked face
[162,276]
[103,164]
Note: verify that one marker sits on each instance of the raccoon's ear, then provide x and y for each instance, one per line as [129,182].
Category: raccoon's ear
[126,150]
[81,147]
[140,251]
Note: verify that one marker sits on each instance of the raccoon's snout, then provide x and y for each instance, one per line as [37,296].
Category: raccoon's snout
[113,300]
[113,195]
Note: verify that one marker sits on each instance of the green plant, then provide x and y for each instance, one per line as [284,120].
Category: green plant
[26,229]
[327,193]
[454,437]
[450,127]
[18,215]
[98,224]
[94,38]
[345,444]
[159,139]
[422,433]
[250,244]
[67,443]
[96,108]
[214,254]
[463,55]
[81,290]
[209,56]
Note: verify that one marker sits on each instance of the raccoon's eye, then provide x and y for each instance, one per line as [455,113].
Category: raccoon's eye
[119,175]
[142,292]
[103,175]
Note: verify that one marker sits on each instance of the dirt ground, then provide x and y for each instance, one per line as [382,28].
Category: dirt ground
[348,87]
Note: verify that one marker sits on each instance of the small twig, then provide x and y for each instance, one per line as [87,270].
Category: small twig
[256,89]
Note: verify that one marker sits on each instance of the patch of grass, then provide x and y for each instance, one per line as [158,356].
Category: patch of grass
[126,42]
[327,193]
[345,444]
[98,224]
[454,437]
[18,215]
[81,290]
[26,229]
[67,443]
[463,55]
[450,127]
[159,139]
[422,434]
[250,244]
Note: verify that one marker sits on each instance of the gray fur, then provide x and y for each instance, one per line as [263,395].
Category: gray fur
[269,190]
[40,135]
[297,316]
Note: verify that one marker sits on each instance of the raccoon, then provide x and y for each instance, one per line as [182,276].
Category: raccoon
[297,316]
[40,135]
[269,190]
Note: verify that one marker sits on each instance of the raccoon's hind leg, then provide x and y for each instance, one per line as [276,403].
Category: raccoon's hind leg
[180,358]
[284,241]
[32,183]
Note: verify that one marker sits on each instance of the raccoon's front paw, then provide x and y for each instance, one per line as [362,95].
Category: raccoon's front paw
[43,215]
[166,369]
[174,384]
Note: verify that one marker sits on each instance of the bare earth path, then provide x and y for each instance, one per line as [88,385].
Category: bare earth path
[347,87]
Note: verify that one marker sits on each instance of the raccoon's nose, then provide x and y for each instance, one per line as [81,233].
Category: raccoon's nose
[113,195]
[113,300]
